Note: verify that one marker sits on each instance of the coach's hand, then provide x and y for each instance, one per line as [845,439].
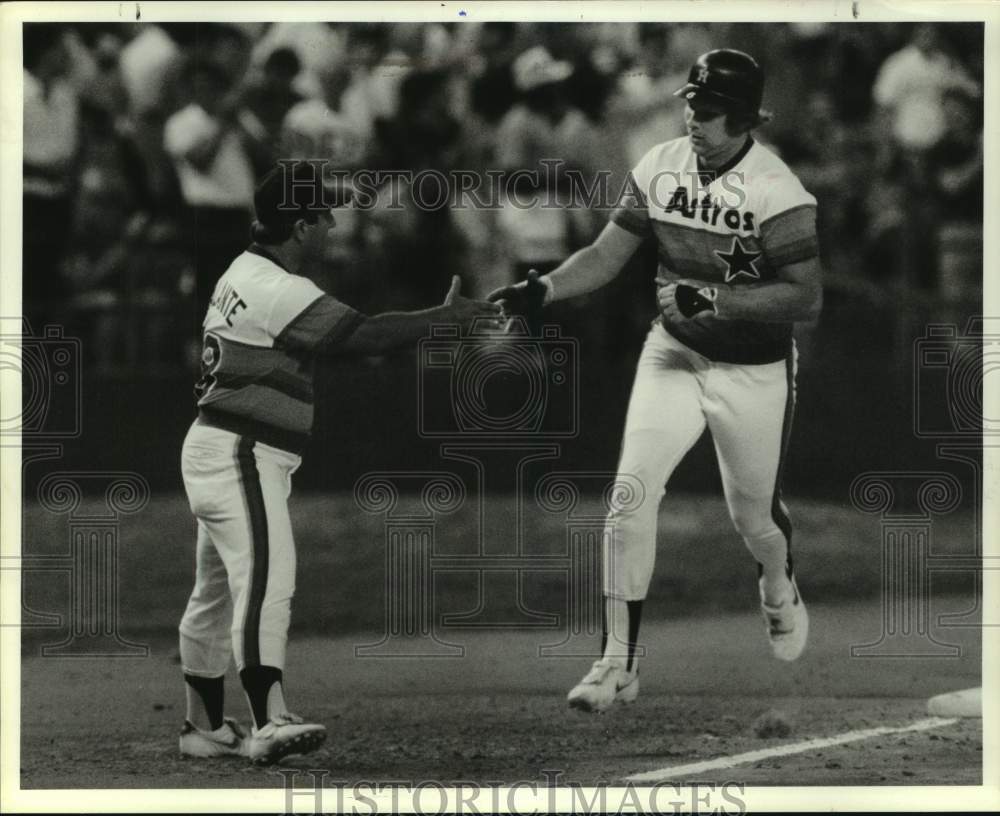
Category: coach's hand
[685,299]
[524,299]
[463,310]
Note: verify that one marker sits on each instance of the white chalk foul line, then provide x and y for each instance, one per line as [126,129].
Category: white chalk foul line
[722,763]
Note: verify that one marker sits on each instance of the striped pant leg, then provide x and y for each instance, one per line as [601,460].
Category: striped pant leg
[205,642]
[262,597]
[238,491]
[749,411]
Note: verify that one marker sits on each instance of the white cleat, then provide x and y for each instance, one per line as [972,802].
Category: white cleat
[285,734]
[787,624]
[606,683]
[225,741]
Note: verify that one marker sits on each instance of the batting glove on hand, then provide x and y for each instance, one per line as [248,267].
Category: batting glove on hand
[524,299]
[683,300]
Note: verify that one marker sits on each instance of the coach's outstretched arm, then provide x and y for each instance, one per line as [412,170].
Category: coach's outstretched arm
[391,330]
[583,271]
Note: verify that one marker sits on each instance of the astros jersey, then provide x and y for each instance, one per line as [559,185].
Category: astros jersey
[736,225]
[262,331]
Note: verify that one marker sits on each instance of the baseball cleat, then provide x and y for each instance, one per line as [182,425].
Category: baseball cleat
[787,624]
[606,683]
[285,734]
[225,741]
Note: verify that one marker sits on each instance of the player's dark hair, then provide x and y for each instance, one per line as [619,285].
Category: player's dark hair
[743,120]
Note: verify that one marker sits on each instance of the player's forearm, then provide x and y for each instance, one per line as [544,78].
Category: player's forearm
[583,271]
[771,302]
[392,330]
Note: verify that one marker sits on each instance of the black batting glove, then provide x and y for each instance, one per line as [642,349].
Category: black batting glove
[682,300]
[692,300]
[525,299]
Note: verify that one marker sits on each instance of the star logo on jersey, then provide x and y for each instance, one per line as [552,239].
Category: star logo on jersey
[702,75]
[739,261]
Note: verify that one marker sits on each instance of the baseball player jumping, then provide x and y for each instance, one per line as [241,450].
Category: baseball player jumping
[738,265]
[263,328]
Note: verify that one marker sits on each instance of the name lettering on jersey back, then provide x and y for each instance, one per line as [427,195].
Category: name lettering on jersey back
[709,210]
[228,301]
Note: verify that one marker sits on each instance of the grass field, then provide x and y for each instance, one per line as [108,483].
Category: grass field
[497,713]
[702,565]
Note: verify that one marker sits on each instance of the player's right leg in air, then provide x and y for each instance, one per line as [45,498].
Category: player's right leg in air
[750,419]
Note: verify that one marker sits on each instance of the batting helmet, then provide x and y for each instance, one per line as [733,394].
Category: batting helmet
[726,76]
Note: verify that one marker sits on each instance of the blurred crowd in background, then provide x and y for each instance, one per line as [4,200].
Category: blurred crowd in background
[143,144]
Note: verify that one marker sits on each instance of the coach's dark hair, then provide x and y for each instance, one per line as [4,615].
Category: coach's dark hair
[278,232]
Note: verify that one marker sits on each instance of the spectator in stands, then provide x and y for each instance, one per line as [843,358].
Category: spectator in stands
[381,56]
[956,177]
[320,128]
[150,64]
[315,44]
[206,143]
[51,145]
[491,90]
[268,101]
[643,106]
[909,91]
[833,161]
[910,87]
[416,239]
[541,128]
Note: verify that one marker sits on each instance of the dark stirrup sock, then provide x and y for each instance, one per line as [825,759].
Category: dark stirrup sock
[257,682]
[212,691]
[634,619]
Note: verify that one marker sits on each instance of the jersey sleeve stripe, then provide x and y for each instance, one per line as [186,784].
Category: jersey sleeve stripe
[790,236]
[794,252]
[800,209]
[279,381]
[323,322]
[283,335]
[632,220]
[344,329]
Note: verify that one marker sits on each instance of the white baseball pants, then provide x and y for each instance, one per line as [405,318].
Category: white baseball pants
[245,576]
[677,392]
